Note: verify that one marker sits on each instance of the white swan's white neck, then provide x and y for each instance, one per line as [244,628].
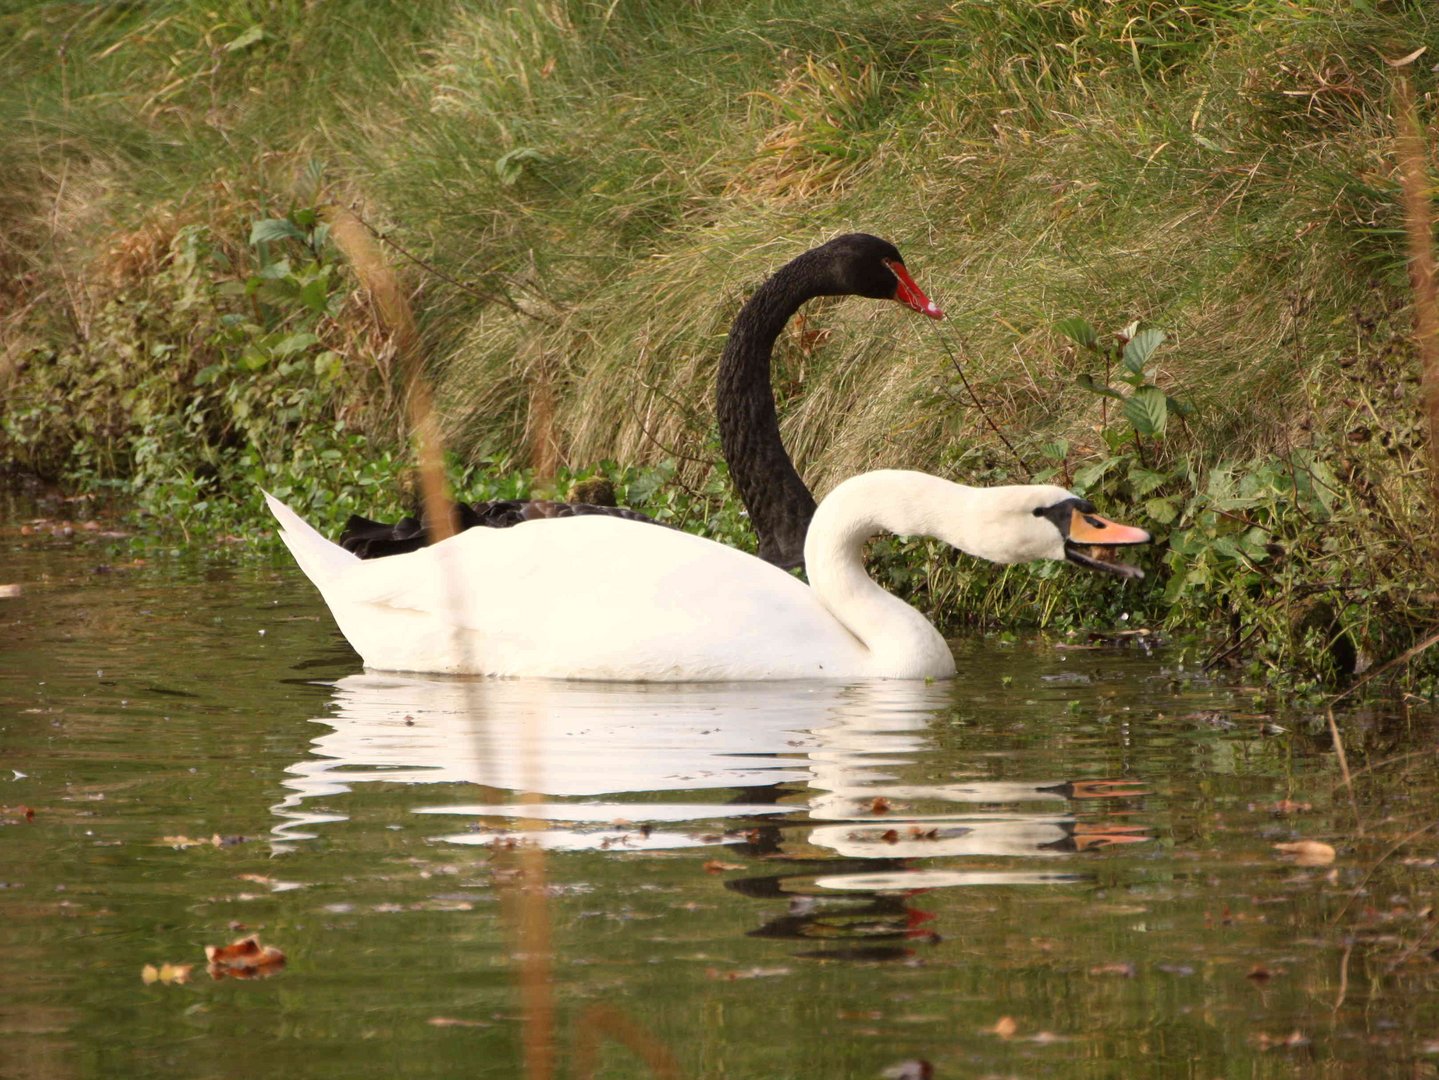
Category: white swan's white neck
[978,521]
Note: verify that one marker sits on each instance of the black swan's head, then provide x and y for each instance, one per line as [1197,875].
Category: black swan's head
[864,265]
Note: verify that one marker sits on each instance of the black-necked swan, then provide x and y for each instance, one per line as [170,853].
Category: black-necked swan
[605,598]
[779,504]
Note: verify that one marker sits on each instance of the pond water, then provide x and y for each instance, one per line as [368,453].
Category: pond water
[1062,864]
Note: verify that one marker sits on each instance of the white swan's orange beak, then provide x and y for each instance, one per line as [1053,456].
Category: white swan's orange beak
[909,294]
[1101,536]
[1101,532]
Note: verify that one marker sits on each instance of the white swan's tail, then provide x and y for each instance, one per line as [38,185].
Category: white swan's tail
[320,559]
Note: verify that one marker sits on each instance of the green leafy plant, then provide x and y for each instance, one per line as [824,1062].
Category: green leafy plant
[1126,356]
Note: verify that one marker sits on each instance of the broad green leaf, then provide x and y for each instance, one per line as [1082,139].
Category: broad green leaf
[1078,330]
[269,230]
[1147,410]
[1255,544]
[329,365]
[246,38]
[1162,511]
[1087,381]
[315,294]
[1087,476]
[1180,406]
[1057,450]
[289,346]
[510,167]
[1325,484]
[1143,480]
[1140,347]
[1226,546]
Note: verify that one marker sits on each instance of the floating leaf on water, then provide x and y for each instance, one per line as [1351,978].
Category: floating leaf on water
[747,973]
[244,959]
[1293,1040]
[1289,806]
[1307,852]
[166,974]
[914,1069]
[1122,968]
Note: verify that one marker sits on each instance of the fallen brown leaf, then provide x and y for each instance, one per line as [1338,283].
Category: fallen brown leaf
[1307,852]
[1407,59]
[244,959]
[1005,1027]
[913,1069]
[748,973]
[1114,967]
[1291,1041]
[166,973]
[714,866]
[1289,806]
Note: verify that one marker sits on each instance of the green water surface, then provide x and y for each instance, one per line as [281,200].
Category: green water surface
[1059,865]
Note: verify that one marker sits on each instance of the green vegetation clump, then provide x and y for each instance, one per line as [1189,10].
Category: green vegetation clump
[1168,238]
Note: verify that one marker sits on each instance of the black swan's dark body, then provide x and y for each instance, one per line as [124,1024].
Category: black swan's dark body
[376,539]
[780,505]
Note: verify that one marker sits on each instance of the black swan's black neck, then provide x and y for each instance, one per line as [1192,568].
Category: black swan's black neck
[779,504]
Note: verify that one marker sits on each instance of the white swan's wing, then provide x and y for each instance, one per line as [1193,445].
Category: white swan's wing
[591,597]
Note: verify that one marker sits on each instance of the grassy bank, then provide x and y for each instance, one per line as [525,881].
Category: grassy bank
[574,198]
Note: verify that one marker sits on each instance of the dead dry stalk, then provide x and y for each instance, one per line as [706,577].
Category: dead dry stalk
[543,438]
[523,893]
[1418,220]
[379,279]
[602,1020]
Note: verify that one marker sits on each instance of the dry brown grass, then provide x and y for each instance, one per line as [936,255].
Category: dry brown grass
[1419,227]
[807,122]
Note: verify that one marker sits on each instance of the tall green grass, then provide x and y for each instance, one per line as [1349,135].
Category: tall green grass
[581,194]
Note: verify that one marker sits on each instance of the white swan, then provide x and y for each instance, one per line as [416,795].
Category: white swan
[606,598]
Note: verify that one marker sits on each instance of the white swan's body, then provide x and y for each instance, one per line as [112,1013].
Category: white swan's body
[605,598]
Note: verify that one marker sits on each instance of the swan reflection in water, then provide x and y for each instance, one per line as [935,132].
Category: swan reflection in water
[808,776]
[821,762]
